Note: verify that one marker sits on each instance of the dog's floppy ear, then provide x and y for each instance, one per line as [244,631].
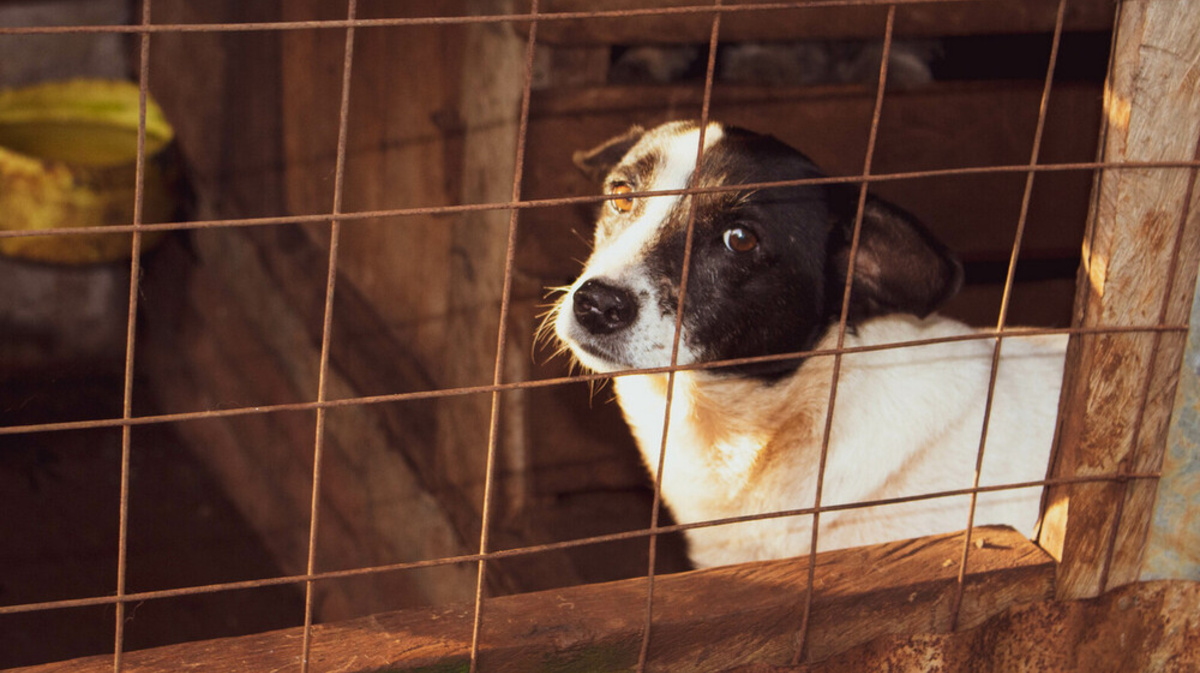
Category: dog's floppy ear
[900,267]
[598,161]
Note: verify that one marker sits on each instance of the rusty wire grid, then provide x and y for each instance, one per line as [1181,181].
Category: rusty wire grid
[336,218]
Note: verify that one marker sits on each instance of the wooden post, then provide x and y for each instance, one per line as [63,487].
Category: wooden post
[1139,268]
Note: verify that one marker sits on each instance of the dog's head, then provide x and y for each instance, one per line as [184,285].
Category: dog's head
[768,266]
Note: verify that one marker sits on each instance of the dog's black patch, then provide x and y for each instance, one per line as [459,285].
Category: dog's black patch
[783,294]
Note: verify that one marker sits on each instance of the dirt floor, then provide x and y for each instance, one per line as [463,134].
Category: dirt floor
[59,505]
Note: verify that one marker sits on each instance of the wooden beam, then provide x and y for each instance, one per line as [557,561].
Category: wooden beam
[706,620]
[863,22]
[1140,259]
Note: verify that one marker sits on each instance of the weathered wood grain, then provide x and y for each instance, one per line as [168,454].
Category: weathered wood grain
[707,620]
[1084,636]
[1141,255]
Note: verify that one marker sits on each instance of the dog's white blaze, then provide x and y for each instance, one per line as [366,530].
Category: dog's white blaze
[677,152]
[621,260]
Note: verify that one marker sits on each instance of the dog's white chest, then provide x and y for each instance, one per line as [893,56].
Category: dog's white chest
[905,423]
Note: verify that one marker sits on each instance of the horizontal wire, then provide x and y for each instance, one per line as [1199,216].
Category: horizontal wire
[515,552]
[211,414]
[343,24]
[599,198]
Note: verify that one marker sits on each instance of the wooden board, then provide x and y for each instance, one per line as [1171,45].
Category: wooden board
[953,17]
[1140,265]
[1084,636]
[708,620]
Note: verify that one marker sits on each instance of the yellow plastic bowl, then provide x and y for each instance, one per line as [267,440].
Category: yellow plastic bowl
[68,158]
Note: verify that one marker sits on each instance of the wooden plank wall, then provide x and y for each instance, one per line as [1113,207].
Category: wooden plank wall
[235,319]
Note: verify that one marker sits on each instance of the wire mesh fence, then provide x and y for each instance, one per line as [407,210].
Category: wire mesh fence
[324,401]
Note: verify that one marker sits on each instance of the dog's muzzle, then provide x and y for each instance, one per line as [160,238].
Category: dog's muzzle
[602,308]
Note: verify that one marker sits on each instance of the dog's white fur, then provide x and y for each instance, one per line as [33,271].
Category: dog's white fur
[906,421]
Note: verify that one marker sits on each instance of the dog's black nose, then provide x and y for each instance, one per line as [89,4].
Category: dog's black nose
[602,308]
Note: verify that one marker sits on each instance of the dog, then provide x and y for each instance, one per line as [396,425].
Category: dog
[768,268]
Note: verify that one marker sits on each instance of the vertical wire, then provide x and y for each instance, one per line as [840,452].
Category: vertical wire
[335,227]
[868,160]
[502,338]
[656,504]
[1035,152]
[135,272]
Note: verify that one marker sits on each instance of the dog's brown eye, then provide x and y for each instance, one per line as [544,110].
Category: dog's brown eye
[621,205]
[740,239]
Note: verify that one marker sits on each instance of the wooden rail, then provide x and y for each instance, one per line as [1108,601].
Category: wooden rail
[705,620]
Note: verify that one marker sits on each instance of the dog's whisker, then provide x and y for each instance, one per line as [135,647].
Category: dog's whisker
[583,238]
